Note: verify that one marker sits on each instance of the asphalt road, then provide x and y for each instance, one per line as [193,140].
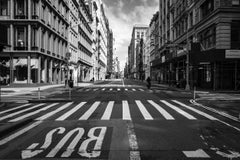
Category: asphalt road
[118,120]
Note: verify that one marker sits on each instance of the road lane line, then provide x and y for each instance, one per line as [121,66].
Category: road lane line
[118,89]
[19,112]
[133,89]
[110,89]
[14,108]
[15,135]
[196,154]
[126,111]
[103,89]
[108,111]
[195,110]
[132,138]
[54,112]
[165,114]
[90,111]
[185,114]
[141,89]
[33,113]
[143,110]
[126,89]
[69,113]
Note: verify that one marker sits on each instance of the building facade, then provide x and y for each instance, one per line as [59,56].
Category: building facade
[201,43]
[110,54]
[100,39]
[37,38]
[138,33]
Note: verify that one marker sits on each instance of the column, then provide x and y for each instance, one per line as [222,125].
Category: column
[29,9]
[39,69]
[29,69]
[59,73]
[50,71]
[45,70]
[29,37]
[11,69]
[11,37]
[11,9]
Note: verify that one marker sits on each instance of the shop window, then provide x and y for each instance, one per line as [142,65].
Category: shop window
[21,38]
[20,69]
[3,7]
[4,70]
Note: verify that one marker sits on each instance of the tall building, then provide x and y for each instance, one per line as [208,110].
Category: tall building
[146,54]
[85,52]
[100,34]
[37,38]
[200,43]
[110,54]
[154,47]
[138,33]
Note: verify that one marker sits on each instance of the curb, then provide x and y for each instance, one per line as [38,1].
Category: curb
[12,127]
[48,100]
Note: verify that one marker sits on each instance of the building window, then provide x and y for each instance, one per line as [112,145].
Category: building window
[34,39]
[235,35]
[208,38]
[207,7]
[21,38]
[20,9]
[3,7]
[34,10]
[235,2]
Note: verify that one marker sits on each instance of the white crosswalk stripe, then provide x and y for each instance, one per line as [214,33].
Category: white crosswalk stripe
[148,110]
[67,114]
[185,114]
[195,110]
[33,113]
[90,111]
[54,112]
[19,112]
[126,111]
[161,110]
[15,108]
[108,111]
[144,111]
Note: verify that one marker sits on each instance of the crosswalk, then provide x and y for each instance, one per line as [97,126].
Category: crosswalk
[109,89]
[106,110]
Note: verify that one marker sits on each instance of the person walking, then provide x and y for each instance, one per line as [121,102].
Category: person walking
[148,82]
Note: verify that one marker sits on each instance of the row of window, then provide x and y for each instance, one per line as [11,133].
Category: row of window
[48,15]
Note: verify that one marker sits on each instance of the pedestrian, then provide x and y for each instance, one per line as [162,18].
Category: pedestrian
[149,82]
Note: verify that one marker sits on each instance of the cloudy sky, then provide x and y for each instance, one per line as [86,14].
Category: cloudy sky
[122,15]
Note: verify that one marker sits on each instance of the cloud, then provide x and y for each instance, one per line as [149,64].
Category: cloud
[123,15]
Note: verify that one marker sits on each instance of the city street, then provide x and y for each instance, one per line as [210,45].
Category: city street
[117,120]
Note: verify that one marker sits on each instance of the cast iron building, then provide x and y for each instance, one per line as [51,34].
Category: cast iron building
[209,32]
[38,38]
[138,32]
[100,34]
